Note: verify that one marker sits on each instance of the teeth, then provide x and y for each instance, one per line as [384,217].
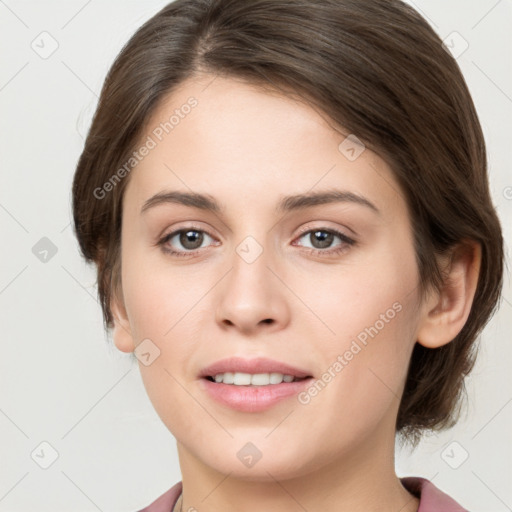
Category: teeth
[256,379]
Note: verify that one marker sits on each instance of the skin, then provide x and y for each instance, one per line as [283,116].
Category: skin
[337,452]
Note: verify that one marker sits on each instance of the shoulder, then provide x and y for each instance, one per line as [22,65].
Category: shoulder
[165,502]
[431,498]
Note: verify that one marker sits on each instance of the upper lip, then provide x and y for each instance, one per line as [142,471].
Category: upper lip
[257,365]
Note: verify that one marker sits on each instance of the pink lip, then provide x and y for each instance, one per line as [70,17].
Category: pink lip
[252,398]
[258,365]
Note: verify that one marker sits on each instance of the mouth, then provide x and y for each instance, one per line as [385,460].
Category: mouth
[254,379]
[238,371]
[252,385]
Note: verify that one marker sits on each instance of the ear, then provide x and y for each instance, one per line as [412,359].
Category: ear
[446,311]
[121,334]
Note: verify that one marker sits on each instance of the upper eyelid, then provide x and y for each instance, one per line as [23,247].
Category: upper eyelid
[308,229]
[303,230]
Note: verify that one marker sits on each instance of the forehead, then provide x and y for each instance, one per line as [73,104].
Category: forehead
[239,143]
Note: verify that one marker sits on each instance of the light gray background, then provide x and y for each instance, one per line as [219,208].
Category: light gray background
[59,381]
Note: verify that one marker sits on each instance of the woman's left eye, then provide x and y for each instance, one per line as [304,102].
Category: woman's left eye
[324,238]
[191,239]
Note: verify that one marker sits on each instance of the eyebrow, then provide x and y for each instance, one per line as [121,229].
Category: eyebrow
[286,204]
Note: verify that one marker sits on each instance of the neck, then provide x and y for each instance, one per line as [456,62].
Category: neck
[353,481]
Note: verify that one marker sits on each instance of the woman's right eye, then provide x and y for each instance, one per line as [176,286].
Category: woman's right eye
[189,238]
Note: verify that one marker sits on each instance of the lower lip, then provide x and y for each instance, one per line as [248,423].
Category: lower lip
[253,398]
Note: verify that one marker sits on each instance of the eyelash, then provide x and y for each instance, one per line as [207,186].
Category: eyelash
[318,252]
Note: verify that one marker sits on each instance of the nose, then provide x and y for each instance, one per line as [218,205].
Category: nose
[252,298]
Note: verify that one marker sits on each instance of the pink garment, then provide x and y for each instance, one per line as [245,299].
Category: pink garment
[431,498]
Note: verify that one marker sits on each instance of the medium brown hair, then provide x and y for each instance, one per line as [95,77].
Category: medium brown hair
[375,68]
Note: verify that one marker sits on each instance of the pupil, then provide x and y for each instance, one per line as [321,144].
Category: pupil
[325,238]
[191,236]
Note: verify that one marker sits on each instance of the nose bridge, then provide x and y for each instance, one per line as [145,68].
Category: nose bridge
[250,294]
[253,248]
[250,274]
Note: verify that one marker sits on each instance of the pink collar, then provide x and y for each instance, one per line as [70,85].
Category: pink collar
[431,498]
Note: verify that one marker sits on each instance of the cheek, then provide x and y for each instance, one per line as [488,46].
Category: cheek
[161,308]
[366,334]
[157,294]
[346,300]
[371,371]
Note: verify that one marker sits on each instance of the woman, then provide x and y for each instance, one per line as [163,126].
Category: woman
[288,206]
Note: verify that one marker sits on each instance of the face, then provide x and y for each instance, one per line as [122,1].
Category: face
[326,286]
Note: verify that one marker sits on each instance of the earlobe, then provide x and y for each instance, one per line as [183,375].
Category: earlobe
[446,311]
[121,332]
